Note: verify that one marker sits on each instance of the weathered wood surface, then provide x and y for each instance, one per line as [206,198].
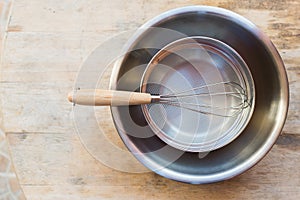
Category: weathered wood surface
[46,43]
[9,185]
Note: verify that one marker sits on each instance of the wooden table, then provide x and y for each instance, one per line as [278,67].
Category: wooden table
[46,43]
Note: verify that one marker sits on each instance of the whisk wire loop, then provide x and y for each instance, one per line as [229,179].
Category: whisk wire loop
[228,89]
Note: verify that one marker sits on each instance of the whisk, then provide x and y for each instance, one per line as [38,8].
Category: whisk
[234,95]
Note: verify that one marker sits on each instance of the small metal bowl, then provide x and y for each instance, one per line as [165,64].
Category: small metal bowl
[271,96]
[186,64]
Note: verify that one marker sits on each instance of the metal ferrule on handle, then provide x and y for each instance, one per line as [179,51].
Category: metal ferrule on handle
[155,98]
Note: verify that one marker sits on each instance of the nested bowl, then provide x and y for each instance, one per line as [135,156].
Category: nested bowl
[271,95]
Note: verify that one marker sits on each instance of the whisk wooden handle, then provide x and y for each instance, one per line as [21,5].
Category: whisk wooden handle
[98,97]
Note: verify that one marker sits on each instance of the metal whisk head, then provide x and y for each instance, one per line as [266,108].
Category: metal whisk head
[225,99]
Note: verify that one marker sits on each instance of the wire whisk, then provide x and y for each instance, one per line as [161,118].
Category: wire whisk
[225,99]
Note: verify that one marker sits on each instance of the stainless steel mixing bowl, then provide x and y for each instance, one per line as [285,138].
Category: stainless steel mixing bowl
[271,101]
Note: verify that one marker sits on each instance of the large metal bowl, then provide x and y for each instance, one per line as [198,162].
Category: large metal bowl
[271,87]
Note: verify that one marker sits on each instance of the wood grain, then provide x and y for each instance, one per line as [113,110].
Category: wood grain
[47,41]
[9,185]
